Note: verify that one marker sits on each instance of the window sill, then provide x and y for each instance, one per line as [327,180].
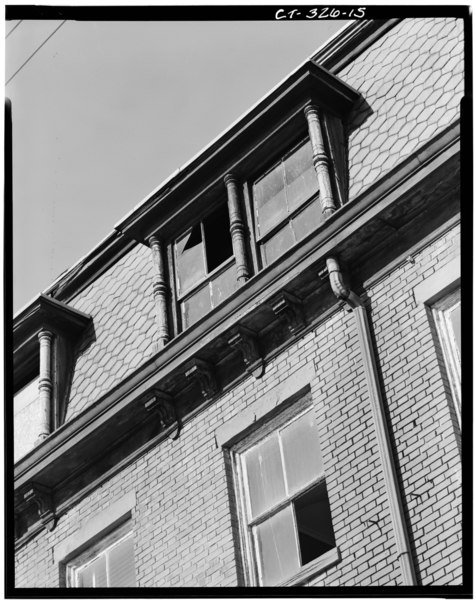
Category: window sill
[314,568]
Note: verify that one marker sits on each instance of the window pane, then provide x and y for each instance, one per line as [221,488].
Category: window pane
[302,455]
[307,220]
[196,306]
[190,264]
[265,475]
[301,178]
[270,199]
[455,322]
[121,570]
[314,524]
[94,574]
[275,247]
[217,237]
[278,554]
[224,285]
[27,418]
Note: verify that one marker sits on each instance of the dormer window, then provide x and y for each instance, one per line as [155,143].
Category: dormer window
[286,203]
[204,266]
[45,335]
[281,171]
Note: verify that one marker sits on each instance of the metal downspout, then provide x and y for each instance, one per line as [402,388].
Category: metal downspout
[343,292]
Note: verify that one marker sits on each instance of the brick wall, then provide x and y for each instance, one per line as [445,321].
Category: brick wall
[421,410]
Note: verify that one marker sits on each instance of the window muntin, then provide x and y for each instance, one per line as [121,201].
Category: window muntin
[286,513]
[285,203]
[205,266]
[109,563]
[447,313]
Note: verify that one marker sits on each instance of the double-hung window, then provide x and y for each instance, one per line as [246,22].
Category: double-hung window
[285,513]
[108,563]
[286,203]
[447,313]
[204,266]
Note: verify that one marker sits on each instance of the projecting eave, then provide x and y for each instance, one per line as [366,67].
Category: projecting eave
[43,313]
[310,83]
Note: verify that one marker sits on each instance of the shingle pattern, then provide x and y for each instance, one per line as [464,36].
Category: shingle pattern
[412,83]
[121,304]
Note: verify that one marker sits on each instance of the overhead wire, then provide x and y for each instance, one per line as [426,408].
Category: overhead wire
[13,28]
[32,55]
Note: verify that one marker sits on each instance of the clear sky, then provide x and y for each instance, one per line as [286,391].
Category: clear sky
[105,111]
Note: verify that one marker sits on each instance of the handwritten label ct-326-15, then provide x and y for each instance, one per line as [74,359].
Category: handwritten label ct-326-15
[323,12]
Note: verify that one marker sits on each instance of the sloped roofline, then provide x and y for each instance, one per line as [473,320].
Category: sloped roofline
[331,55]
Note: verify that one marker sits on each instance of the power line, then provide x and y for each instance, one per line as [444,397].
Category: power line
[32,55]
[13,28]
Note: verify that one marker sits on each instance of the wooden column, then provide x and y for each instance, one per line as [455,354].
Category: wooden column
[45,384]
[320,160]
[237,229]
[160,294]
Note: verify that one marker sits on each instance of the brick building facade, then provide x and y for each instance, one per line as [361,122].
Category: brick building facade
[278,404]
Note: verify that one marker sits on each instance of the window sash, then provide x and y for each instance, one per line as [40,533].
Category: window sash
[451,351]
[248,525]
[291,208]
[98,552]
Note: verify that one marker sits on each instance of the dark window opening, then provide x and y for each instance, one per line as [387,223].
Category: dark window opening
[314,524]
[217,237]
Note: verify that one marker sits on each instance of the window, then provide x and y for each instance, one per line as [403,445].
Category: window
[447,312]
[285,512]
[27,418]
[205,266]
[109,563]
[286,203]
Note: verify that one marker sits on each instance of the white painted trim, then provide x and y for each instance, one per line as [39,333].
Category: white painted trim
[439,284]
[99,525]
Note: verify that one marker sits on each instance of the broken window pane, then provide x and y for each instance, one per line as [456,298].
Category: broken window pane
[190,260]
[314,523]
[217,237]
[277,547]
[301,178]
[265,475]
[302,455]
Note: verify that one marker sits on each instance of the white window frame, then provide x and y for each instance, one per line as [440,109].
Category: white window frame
[102,547]
[441,312]
[247,538]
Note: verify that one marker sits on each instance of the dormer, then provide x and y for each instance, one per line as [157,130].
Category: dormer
[266,185]
[45,335]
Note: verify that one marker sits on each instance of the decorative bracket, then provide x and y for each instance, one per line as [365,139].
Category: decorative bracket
[247,343]
[204,374]
[164,407]
[288,309]
[41,497]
